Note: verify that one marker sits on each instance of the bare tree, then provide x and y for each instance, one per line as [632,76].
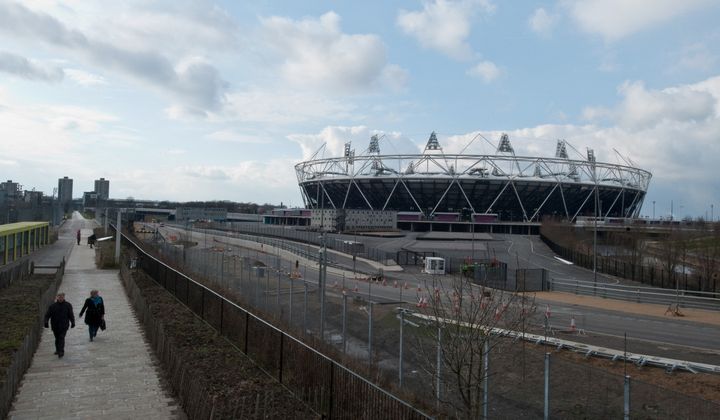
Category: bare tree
[461,319]
[708,256]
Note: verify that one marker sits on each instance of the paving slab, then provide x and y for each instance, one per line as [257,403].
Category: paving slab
[116,376]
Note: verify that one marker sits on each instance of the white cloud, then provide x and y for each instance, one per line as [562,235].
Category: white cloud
[642,108]
[335,137]
[543,22]
[315,53]
[84,78]
[190,79]
[444,25]
[283,107]
[485,70]
[616,19]
[29,69]
[695,57]
[233,136]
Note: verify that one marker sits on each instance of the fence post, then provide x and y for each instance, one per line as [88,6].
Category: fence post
[626,398]
[344,325]
[370,333]
[222,305]
[247,324]
[546,411]
[331,393]
[400,361]
[280,368]
[486,376]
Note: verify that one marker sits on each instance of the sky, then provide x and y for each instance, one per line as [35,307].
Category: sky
[200,100]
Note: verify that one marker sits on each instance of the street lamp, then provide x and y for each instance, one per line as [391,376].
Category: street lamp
[653,209]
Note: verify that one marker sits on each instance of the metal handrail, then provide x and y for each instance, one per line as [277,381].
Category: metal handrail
[654,295]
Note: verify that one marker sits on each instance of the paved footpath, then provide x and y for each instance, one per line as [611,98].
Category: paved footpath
[114,377]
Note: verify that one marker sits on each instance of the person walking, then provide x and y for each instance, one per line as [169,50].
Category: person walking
[95,315]
[60,316]
[78,236]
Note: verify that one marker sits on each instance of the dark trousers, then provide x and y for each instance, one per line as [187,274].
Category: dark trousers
[92,329]
[60,340]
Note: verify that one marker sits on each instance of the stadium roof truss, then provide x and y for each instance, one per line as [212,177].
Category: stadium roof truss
[515,187]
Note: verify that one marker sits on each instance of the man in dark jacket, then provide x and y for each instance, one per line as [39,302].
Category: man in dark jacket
[60,315]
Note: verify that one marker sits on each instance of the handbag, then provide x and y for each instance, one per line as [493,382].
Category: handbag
[103,326]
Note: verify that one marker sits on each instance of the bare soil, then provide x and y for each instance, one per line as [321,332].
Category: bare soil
[19,311]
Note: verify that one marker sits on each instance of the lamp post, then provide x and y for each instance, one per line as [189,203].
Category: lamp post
[595,242]
[653,209]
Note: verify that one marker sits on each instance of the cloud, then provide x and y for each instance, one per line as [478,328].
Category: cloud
[193,80]
[315,53]
[543,22]
[232,136]
[642,108]
[616,19]
[84,78]
[444,25]
[27,69]
[694,57]
[284,107]
[335,137]
[485,70]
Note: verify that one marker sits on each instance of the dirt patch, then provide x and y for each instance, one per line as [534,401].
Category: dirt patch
[19,311]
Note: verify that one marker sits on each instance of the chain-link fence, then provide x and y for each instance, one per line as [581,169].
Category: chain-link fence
[363,328]
[327,386]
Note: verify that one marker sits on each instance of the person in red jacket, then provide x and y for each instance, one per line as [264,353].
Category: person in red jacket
[60,316]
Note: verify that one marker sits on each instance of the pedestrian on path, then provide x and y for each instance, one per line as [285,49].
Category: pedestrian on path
[95,315]
[91,240]
[60,314]
[78,236]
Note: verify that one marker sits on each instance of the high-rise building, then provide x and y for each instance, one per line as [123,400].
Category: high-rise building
[65,187]
[9,190]
[102,188]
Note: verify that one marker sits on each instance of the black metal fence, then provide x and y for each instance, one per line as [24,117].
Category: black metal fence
[22,356]
[14,271]
[645,274]
[327,386]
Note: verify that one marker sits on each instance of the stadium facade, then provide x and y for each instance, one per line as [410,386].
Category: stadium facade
[499,187]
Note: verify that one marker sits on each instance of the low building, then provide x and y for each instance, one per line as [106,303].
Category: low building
[352,220]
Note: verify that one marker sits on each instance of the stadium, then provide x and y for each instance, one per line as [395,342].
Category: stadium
[487,188]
